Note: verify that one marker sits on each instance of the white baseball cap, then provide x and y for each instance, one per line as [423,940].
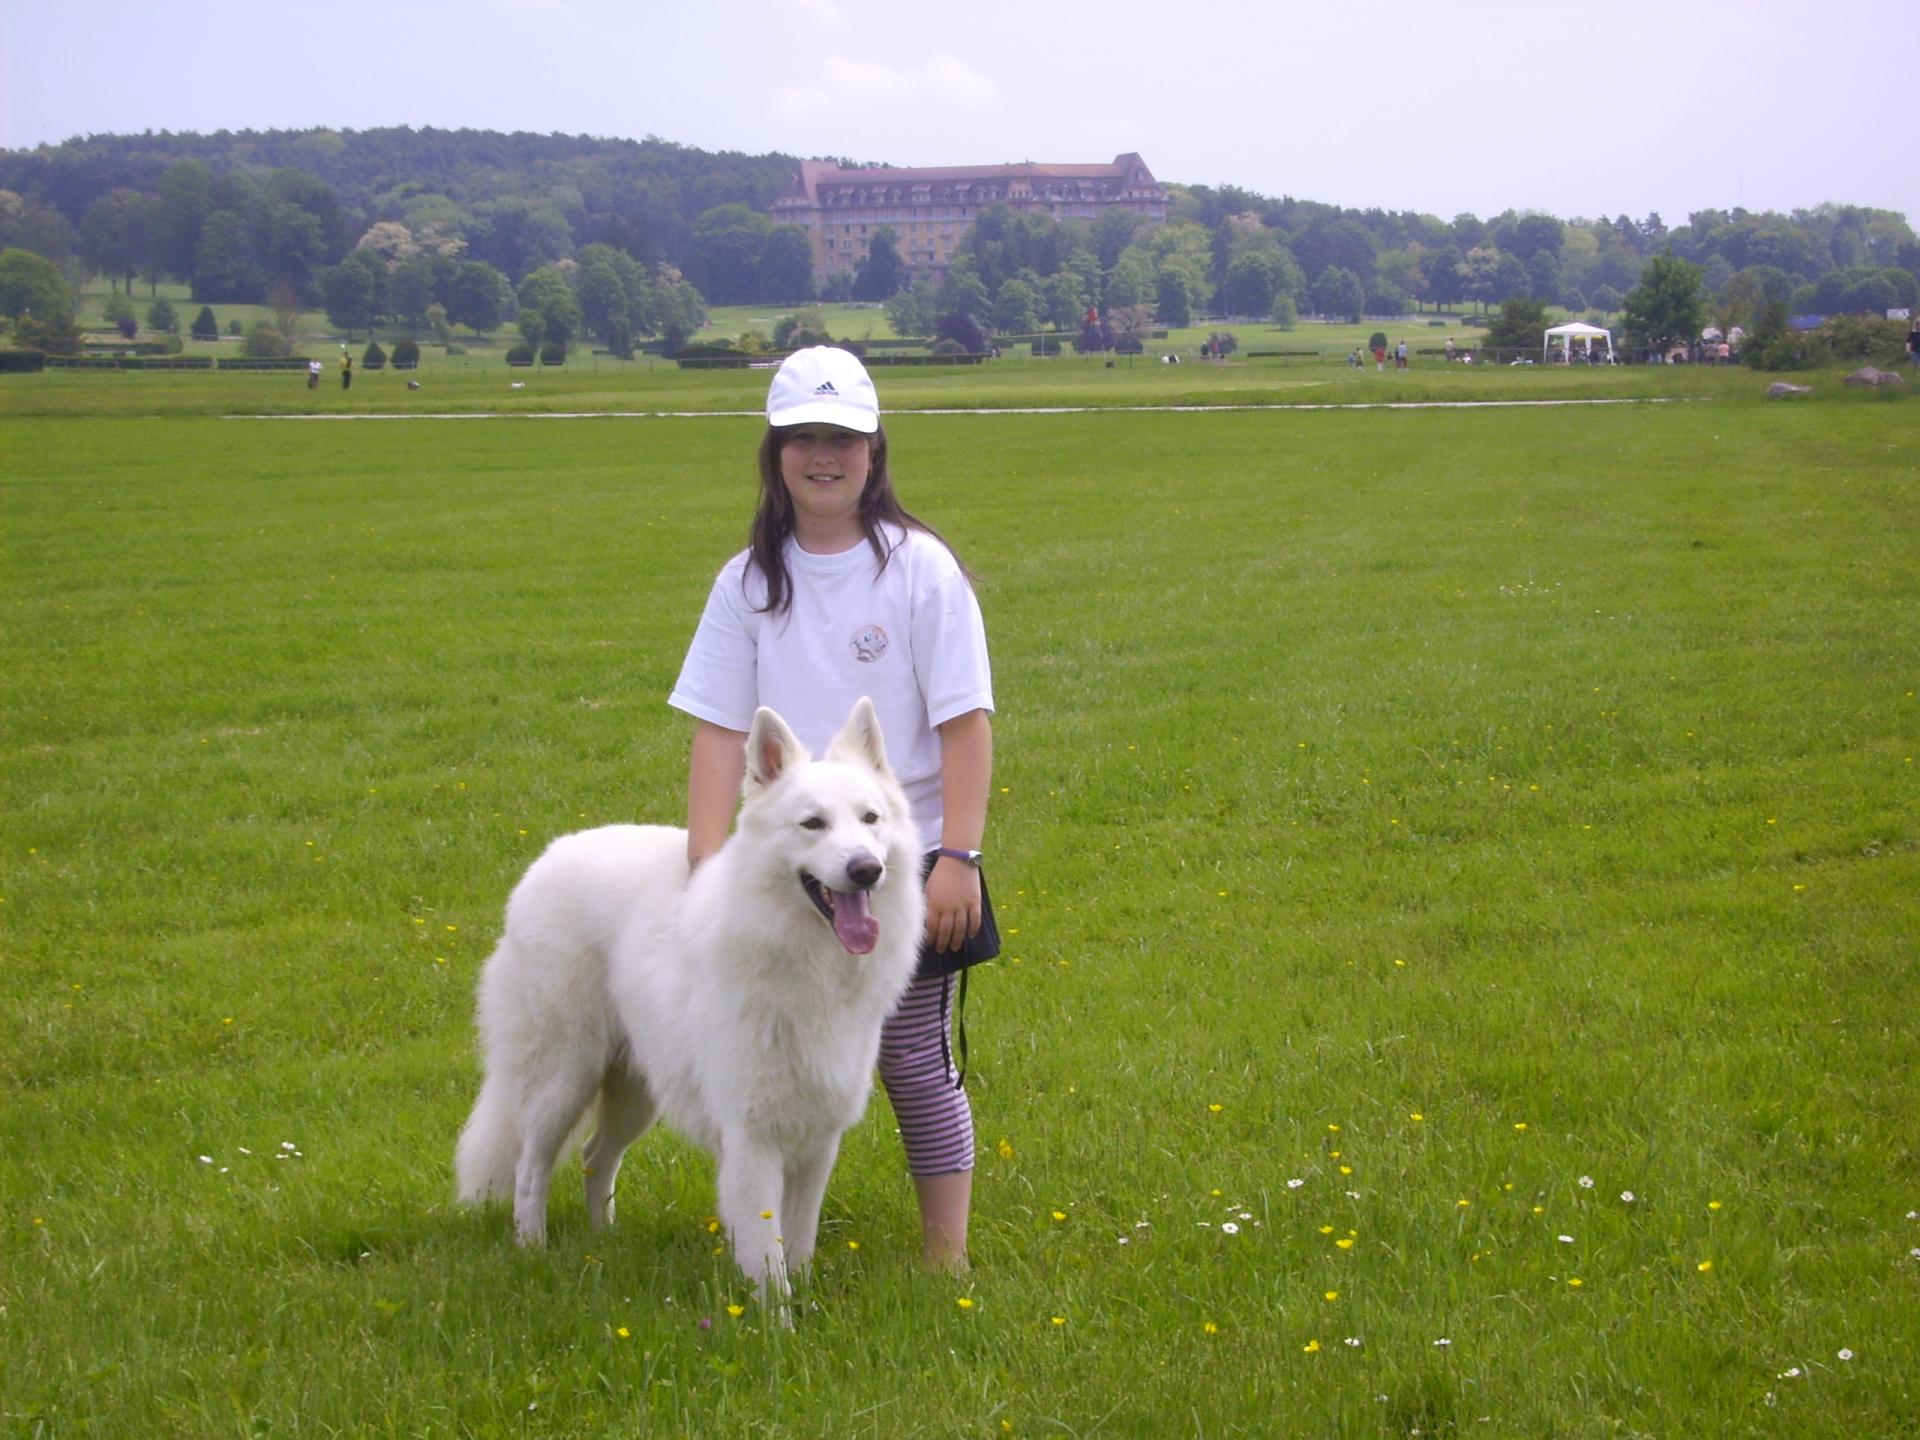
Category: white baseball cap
[824,385]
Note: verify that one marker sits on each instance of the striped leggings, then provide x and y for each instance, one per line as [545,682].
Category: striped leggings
[916,1066]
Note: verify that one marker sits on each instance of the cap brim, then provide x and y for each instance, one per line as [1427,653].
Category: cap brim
[825,412]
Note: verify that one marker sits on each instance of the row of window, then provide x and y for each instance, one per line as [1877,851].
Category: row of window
[973,195]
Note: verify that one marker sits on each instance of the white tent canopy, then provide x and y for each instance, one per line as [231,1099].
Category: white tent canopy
[1567,334]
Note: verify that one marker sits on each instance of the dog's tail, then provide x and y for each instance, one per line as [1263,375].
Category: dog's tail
[490,1145]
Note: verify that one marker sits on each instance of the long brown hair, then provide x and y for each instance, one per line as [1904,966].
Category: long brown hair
[773,521]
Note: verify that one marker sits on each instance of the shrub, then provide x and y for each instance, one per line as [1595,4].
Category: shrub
[375,358]
[948,347]
[521,354]
[1516,331]
[1286,313]
[1046,345]
[160,317]
[1773,344]
[233,327]
[119,313]
[963,328]
[205,326]
[54,333]
[265,342]
[803,327]
[553,353]
[406,355]
[1095,336]
[455,348]
[21,361]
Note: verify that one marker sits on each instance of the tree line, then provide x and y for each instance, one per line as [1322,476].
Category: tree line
[426,228]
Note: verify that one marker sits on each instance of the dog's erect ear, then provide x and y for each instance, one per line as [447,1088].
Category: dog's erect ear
[859,739]
[771,748]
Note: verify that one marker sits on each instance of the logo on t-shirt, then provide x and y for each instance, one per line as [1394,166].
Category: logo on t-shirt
[869,643]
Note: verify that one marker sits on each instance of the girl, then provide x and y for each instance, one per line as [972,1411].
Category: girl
[842,593]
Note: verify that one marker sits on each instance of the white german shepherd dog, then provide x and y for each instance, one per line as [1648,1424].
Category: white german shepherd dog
[742,1006]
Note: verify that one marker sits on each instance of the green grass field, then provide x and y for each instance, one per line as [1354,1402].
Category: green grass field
[1457,869]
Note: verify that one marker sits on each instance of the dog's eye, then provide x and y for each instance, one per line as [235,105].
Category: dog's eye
[870,818]
[813,822]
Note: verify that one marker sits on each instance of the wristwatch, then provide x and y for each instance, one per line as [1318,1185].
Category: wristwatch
[965,857]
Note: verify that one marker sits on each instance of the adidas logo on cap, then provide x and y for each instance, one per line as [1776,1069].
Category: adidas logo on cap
[825,387]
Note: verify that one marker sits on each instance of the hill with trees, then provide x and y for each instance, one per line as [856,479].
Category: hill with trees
[429,228]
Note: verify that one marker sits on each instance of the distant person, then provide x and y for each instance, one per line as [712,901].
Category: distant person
[1913,345]
[313,374]
[1379,357]
[1354,359]
[1400,356]
[1449,349]
[346,369]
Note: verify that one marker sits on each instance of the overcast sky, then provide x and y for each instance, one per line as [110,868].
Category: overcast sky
[1575,107]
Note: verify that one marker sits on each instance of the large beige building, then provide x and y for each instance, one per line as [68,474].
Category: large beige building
[930,209]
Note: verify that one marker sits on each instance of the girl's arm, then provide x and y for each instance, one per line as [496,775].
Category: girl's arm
[966,771]
[714,773]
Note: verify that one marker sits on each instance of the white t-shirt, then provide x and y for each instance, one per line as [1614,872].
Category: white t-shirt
[910,637]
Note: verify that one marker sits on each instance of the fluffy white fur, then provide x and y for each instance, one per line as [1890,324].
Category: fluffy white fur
[726,1005]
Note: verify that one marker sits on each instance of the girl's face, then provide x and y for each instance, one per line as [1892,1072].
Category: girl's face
[825,471]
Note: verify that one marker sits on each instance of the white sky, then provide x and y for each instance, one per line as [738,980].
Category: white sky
[1576,107]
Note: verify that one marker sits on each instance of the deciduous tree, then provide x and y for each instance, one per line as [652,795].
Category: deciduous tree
[1338,293]
[350,292]
[882,272]
[1015,309]
[478,296]
[31,284]
[785,269]
[1667,307]
[114,234]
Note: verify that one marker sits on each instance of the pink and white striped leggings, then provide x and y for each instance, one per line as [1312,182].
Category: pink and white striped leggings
[916,1066]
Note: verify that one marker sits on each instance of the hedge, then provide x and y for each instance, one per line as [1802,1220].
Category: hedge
[21,362]
[879,360]
[129,347]
[129,362]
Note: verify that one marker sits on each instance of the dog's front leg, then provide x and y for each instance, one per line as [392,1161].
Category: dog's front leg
[806,1189]
[750,1182]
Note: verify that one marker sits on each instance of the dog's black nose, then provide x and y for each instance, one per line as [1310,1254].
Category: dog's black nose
[865,871]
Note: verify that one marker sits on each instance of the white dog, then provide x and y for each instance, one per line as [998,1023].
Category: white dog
[743,1006]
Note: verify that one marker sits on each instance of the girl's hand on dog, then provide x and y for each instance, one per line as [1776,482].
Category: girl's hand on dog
[953,904]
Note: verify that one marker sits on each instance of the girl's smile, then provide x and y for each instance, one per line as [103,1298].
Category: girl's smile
[824,468]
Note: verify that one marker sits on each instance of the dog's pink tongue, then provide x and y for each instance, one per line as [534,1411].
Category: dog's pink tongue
[853,922]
